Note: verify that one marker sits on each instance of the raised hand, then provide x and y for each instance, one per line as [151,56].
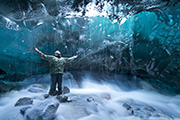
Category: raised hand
[76,56]
[35,48]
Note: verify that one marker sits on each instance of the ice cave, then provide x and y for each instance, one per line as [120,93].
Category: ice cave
[128,64]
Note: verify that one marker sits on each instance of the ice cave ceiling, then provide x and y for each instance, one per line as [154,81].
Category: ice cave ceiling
[140,37]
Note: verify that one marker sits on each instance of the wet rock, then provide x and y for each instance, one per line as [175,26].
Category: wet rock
[39,86]
[62,98]
[36,88]
[65,90]
[129,108]
[23,110]
[144,111]
[94,99]
[90,99]
[92,105]
[77,111]
[43,111]
[7,87]
[46,96]
[24,101]
[106,96]
[4,87]
[41,97]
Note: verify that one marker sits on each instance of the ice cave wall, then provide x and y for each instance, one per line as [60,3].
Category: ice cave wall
[145,44]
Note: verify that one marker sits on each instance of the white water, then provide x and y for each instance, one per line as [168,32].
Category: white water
[101,108]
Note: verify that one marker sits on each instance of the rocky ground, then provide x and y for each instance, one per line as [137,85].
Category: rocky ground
[73,106]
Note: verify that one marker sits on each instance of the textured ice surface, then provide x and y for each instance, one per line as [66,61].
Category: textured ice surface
[143,40]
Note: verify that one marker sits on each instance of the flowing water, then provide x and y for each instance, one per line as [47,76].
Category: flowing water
[98,98]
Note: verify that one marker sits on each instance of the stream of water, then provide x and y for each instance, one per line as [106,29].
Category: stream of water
[100,100]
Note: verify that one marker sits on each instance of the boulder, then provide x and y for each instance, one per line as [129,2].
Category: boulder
[62,98]
[4,87]
[92,104]
[41,97]
[23,110]
[43,111]
[36,88]
[144,111]
[90,99]
[8,86]
[65,90]
[105,96]
[24,101]
[46,96]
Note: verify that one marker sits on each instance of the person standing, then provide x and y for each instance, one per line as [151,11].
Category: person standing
[57,64]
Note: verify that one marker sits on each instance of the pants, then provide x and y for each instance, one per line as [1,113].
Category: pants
[56,79]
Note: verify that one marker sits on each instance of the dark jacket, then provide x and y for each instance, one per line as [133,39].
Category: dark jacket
[56,64]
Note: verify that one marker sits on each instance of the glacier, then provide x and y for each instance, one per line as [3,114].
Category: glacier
[127,66]
[137,38]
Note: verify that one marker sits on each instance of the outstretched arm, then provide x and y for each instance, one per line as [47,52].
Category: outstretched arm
[71,58]
[75,56]
[42,55]
[36,49]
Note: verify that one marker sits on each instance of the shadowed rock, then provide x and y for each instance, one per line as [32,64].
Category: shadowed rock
[43,111]
[35,88]
[23,110]
[144,111]
[24,101]
[62,98]
[65,90]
